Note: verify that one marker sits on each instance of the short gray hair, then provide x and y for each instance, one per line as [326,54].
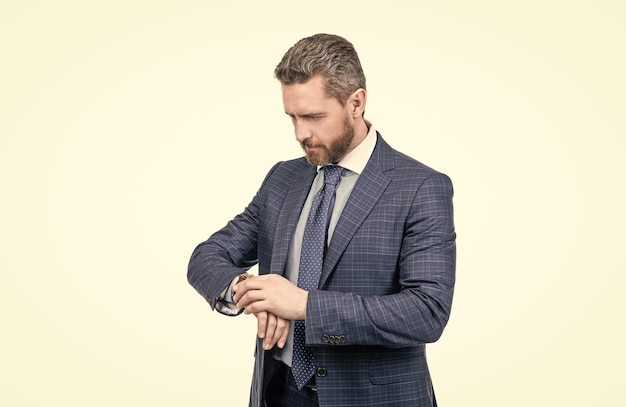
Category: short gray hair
[331,56]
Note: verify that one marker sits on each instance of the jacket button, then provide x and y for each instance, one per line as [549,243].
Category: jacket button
[325,339]
[321,372]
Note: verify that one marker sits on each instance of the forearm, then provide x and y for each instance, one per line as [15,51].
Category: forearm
[225,255]
[211,272]
[394,321]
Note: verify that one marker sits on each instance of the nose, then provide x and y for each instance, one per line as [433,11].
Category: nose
[301,130]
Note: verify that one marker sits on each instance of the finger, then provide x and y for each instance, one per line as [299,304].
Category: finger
[251,281]
[250,307]
[261,324]
[257,283]
[256,301]
[242,287]
[281,332]
[279,335]
[284,333]
[239,290]
[269,341]
[249,297]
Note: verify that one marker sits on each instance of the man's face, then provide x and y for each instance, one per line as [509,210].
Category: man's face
[322,125]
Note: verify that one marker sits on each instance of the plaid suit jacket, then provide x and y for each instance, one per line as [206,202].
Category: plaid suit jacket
[386,286]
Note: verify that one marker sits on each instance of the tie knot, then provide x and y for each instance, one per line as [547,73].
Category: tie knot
[332,174]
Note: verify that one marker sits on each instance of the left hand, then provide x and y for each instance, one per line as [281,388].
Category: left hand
[271,293]
[272,329]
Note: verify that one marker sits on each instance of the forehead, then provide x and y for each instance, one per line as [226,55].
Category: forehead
[303,98]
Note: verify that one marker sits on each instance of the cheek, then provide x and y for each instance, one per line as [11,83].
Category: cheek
[318,131]
[331,130]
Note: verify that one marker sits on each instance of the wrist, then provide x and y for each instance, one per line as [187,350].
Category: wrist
[304,305]
[237,280]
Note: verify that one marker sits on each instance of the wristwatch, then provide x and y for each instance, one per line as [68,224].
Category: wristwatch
[242,277]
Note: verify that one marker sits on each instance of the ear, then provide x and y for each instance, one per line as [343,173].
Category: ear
[356,102]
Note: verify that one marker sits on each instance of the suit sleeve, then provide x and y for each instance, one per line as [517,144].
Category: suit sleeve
[419,310]
[226,254]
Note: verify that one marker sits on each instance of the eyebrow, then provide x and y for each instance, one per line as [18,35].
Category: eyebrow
[314,114]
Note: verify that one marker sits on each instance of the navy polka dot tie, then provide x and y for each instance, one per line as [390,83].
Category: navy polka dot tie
[311,260]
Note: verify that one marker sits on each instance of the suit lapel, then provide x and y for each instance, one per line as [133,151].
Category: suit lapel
[369,188]
[289,215]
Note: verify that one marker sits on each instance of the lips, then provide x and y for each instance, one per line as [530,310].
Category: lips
[307,146]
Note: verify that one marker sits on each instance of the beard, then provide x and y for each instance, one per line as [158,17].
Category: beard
[337,149]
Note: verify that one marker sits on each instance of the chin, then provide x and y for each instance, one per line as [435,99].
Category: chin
[316,159]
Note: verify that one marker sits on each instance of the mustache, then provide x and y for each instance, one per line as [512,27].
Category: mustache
[308,143]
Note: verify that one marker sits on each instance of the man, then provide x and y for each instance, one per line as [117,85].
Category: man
[355,244]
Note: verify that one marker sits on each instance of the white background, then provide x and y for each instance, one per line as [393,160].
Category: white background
[131,130]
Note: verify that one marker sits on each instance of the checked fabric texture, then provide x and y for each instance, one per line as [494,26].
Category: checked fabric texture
[311,261]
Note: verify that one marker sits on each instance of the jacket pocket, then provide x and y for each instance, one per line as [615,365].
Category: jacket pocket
[398,368]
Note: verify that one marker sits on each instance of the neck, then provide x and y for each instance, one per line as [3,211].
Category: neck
[361,128]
